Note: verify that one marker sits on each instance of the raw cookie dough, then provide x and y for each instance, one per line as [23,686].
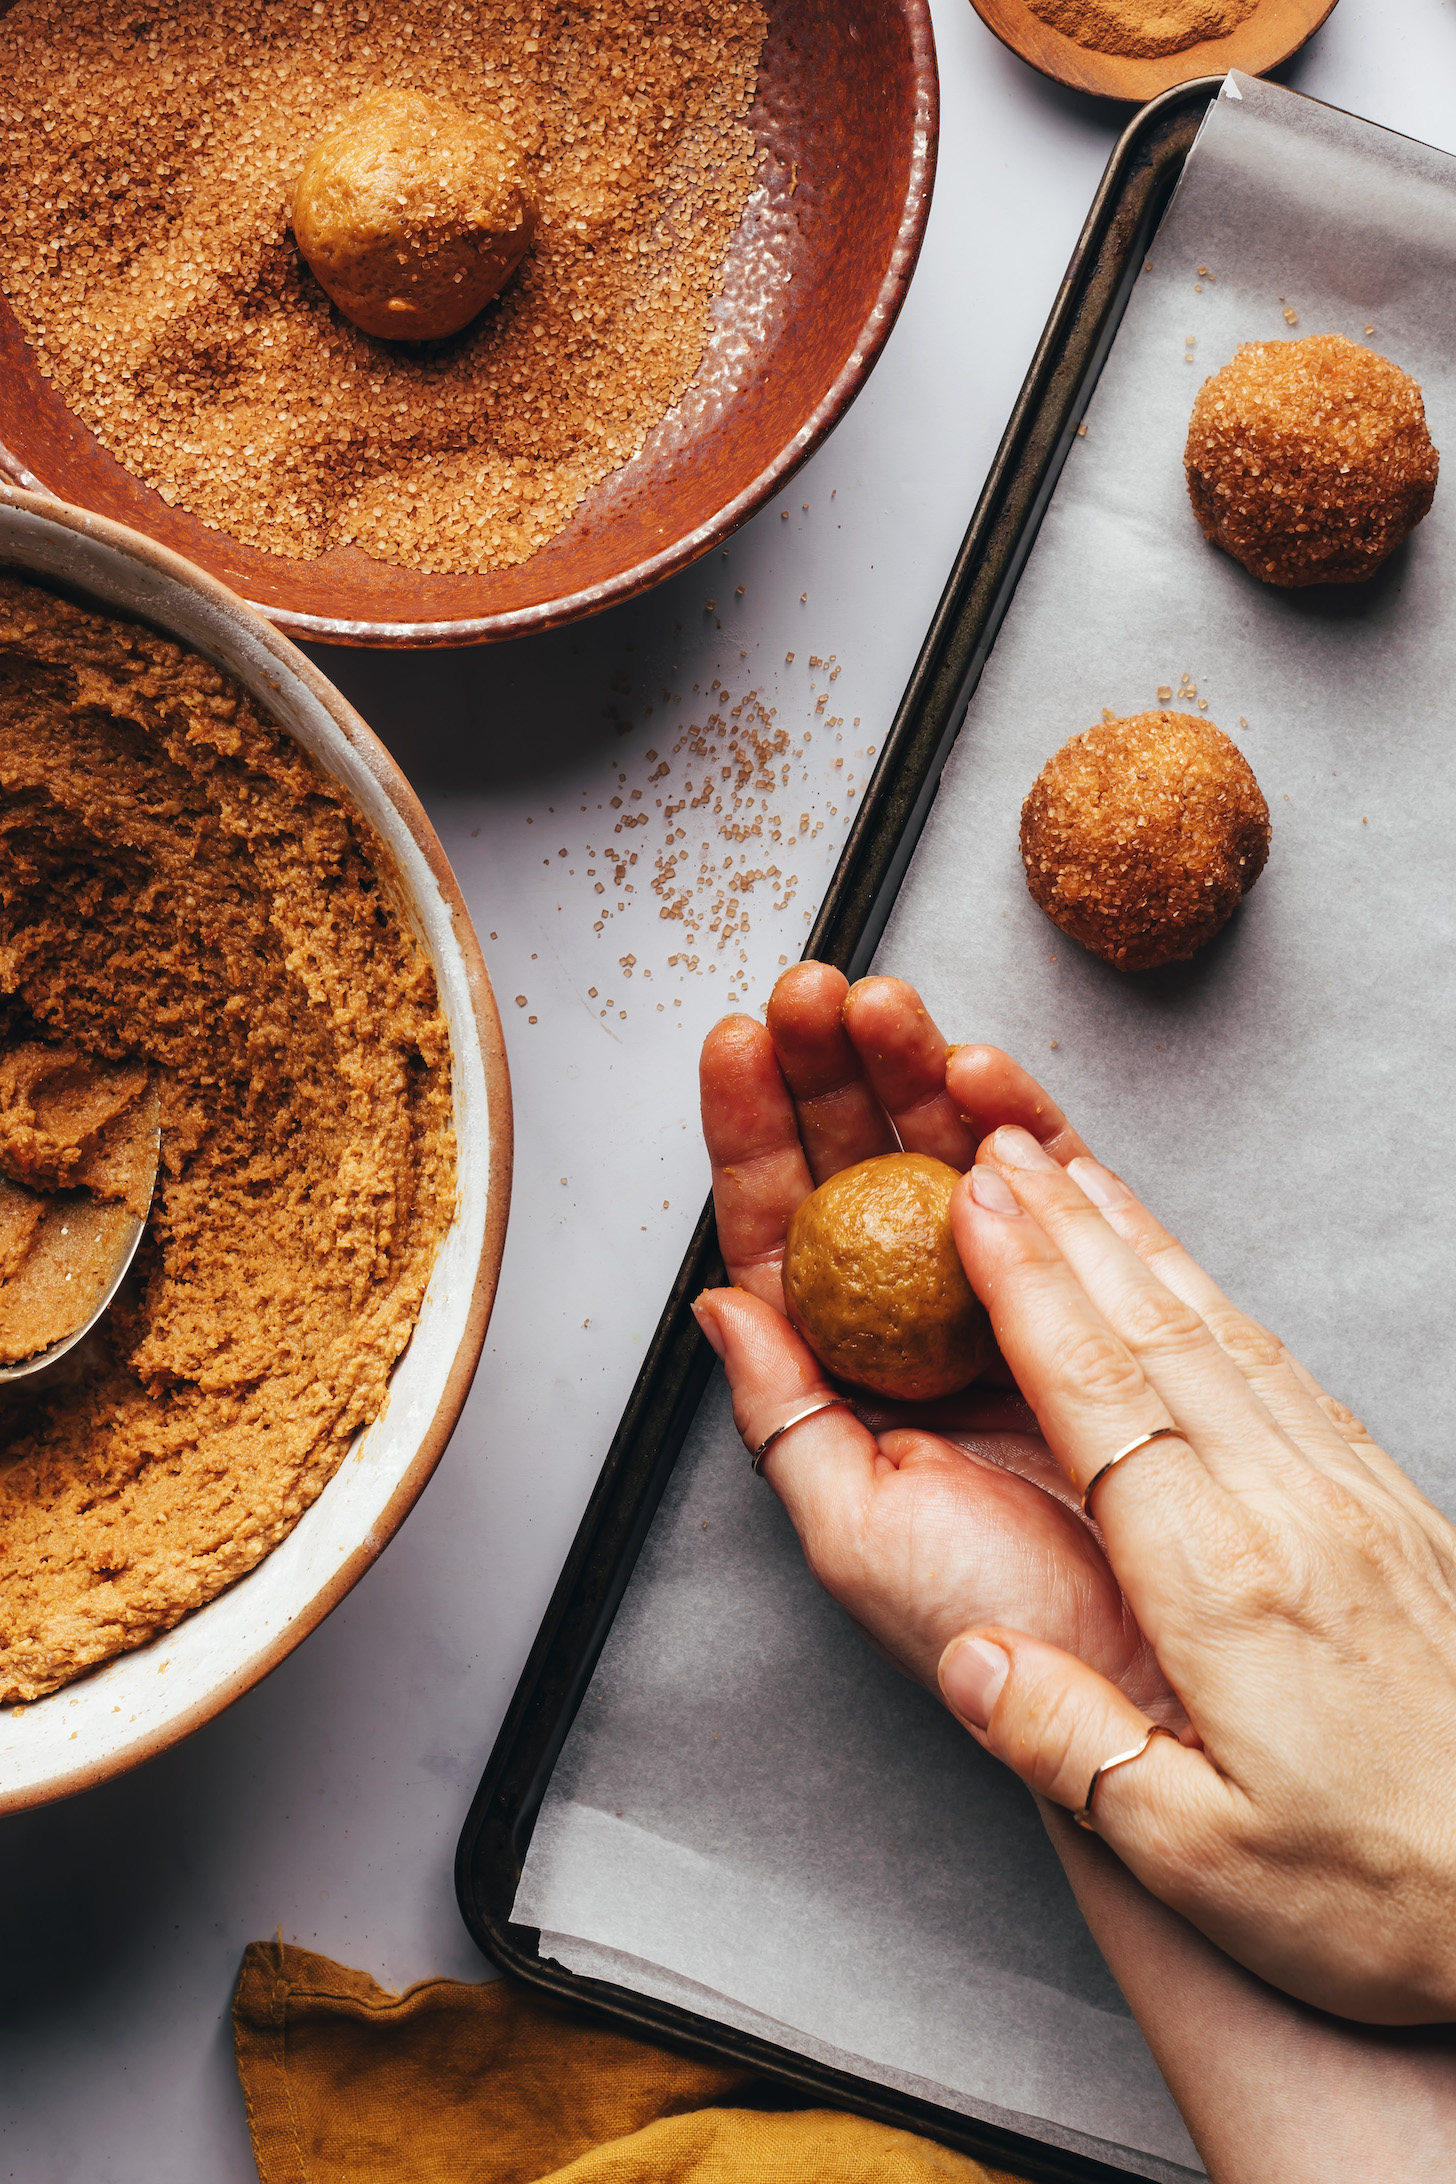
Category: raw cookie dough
[1142,837]
[77,1160]
[413,214]
[185,892]
[874,1284]
[1309,461]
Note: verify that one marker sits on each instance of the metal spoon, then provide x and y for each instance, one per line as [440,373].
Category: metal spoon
[147,1135]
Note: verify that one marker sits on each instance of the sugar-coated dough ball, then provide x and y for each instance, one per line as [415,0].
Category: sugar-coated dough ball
[412,214]
[1141,837]
[874,1284]
[1309,461]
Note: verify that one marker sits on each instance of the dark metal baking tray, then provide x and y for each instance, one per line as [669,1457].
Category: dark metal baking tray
[1134,190]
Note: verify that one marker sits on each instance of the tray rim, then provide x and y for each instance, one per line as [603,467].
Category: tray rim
[1133,192]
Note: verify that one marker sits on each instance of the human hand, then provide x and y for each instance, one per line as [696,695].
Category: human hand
[1299,1593]
[915,1534]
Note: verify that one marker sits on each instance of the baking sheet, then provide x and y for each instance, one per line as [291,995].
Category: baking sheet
[753,1814]
[753,1800]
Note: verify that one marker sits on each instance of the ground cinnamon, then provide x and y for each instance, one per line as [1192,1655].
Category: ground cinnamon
[1143,33]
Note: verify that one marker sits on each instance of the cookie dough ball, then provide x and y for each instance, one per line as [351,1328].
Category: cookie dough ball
[1142,837]
[413,214]
[1309,461]
[873,1282]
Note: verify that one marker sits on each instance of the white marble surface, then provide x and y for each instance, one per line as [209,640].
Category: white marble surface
[328,1803]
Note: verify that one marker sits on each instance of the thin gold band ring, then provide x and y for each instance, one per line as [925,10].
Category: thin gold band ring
[1159,1433]
[1119,1759]
[808,1410]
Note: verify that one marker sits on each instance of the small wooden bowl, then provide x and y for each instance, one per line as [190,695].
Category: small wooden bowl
[1276,29]
[846,112]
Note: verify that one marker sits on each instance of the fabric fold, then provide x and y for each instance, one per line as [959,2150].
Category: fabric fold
[455,2083]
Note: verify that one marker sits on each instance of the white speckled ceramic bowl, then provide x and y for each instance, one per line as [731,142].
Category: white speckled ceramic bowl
[140,1703]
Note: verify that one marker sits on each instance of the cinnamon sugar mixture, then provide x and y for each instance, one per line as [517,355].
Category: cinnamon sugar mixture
[147,160]
[183,892]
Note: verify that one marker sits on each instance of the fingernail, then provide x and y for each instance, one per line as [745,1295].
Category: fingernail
[1017,1148]
[707,1320]
[972,1672]
[992,1192]
[1096,1182]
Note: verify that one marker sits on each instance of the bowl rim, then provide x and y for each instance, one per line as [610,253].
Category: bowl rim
[656,568]
[395,789]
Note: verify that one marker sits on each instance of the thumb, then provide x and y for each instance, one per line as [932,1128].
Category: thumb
[1059,1726]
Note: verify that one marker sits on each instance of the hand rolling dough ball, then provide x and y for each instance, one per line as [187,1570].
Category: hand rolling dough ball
[412,214]
[873,1282]
[1309,461]
[1141,837]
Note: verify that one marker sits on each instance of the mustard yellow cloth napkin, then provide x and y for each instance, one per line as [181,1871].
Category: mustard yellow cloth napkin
[450,2083]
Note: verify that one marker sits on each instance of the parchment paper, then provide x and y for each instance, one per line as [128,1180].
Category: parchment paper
[753,1814]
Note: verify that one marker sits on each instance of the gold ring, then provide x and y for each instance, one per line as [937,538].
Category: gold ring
[1119,1759]
[1159,1433]
[810,1409]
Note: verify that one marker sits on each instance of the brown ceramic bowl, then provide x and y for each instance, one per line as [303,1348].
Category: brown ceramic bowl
[128,1710]
[847,109]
